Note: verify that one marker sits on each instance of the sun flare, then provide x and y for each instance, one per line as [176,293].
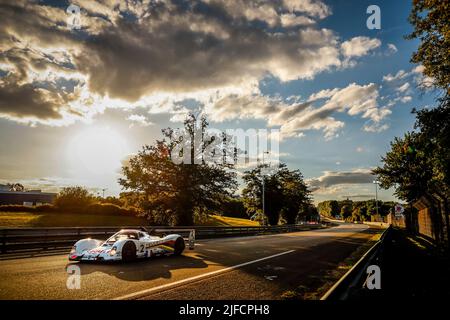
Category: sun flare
[97,150]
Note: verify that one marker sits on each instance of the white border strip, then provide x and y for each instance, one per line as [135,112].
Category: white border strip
[172,284]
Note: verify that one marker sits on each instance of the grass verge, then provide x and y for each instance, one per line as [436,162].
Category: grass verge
[221,221]
[43,220]
[326,281]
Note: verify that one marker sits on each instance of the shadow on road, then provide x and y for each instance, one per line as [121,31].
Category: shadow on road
[142,270]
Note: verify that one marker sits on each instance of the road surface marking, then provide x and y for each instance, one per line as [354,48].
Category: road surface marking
[172,284]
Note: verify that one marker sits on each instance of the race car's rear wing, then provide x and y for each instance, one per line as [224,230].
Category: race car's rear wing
[190,239]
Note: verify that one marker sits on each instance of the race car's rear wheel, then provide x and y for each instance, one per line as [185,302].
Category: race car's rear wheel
[129,251]
[179,246]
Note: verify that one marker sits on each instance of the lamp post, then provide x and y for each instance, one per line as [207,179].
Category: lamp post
[376,182]
[263,187]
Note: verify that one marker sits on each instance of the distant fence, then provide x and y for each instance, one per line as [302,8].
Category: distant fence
[33,239]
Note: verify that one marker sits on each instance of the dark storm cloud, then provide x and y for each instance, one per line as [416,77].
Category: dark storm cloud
[190,51]
[174,45]
[134,49]
[27,101]
[332,178]
[26,31]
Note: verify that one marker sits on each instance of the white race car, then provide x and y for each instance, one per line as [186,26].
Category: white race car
[128,245]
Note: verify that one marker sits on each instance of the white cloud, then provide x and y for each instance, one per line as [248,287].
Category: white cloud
[398,76]
[421,79]
[323,94]
[292,20]
[139,120]
[406,99]
[392,49]
[375,127]
[418,69]
[294,116]
[359,46]
[310,7]
[403,88]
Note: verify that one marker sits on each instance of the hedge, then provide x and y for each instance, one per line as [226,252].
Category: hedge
[106,209]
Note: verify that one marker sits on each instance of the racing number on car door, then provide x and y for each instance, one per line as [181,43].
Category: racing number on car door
[141,250]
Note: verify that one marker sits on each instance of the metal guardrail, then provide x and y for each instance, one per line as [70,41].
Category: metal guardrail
[32,239]
[351,284]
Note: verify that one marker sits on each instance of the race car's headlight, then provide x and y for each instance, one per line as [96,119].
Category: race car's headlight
[113,251]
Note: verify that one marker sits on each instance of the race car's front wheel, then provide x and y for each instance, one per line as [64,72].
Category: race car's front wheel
[179,246]
[129,251]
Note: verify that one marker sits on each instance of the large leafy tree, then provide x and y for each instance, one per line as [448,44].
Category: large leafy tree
[417,164]
[253,194]
[430,19]
[329,208]
[171,192]
[406,167]
[285,192]
[434,126]
[296,195]
[16,187]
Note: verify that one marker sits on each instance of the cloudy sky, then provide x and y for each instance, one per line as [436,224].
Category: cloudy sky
[78,97]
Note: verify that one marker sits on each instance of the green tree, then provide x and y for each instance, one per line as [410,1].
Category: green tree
[171,192]
[253,194]
[362,212]
[233,207]
[296,195]
[434,126]
[285,193]
[308,213]
[430,19]
[16,187]
[406,167]
[329,208]
[110,200]
[346,211]
[73,198]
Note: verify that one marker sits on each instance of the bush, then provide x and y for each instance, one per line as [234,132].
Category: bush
[21,208]
[100,209]
[109,209]
[73,199]
[45,208]
[233,207]
[16,208]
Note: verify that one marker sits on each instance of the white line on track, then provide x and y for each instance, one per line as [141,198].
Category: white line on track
[204,275]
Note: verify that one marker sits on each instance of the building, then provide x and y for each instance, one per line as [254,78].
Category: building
[27,198]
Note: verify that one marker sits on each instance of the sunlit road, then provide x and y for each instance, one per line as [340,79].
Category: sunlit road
[260,267]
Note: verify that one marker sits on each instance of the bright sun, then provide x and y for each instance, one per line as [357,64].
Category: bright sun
[97,150]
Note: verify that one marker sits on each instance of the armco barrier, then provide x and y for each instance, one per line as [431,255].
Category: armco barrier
[32,239]
[351,285]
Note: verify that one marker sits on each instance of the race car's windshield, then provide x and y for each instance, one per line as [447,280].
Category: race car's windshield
[122,235]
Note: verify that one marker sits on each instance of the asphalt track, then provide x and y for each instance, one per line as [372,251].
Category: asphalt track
[259,267]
